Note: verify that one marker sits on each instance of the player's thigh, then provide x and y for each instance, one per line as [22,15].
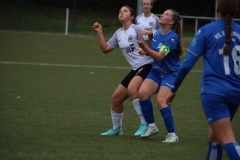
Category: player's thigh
[165,87]
[163,92]
[135,83]
[140,74]
[162,97]
[147,89]
[120,94]
[134,86]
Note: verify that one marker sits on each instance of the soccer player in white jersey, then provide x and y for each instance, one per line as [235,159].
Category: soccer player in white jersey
[147,20]
[165,49]
[125,38]
[219,44]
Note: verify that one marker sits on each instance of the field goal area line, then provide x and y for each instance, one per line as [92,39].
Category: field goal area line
[71,65]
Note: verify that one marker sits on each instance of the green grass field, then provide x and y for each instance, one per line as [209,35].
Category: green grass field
[55,93]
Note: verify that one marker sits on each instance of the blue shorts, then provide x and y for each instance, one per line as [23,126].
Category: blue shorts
[166,81]
[215,109]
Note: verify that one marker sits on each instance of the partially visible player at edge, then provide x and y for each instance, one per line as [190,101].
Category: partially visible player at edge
[219,44]
[147,20]
[125,38]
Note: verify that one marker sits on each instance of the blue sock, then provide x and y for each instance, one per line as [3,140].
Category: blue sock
[233,150]
[215,151]
[147,110]
[168,119]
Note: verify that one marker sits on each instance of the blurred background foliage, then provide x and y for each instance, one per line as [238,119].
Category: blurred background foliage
[50,15]
[184,7]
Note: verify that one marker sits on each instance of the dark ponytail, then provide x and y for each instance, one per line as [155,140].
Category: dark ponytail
[177,28]
[227,9]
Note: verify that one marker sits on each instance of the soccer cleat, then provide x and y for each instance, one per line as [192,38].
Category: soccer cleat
[149,132]
[112,132]
[171,138]
[142,129]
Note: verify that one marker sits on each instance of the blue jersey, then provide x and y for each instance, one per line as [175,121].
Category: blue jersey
[171,63]
[221,74]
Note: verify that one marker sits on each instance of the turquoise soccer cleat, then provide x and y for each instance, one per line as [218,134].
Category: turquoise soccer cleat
[112,132]
[142,129]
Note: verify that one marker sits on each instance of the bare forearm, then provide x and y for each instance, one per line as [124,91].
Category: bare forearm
[158,56]
[101,42]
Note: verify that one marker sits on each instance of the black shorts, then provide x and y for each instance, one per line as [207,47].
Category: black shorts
[141,71]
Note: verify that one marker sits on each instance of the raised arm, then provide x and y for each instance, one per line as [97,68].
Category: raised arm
[105,48]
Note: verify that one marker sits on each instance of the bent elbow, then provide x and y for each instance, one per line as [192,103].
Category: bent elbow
[159,59]
[106,51]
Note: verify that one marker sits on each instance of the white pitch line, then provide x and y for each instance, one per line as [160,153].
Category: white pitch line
[47,33]
[70,65]
[62,65]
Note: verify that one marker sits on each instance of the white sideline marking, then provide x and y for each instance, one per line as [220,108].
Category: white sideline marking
[47,33]
[63,65]
[71,65]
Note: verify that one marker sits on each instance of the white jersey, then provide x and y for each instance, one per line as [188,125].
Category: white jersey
[126,40]
[148,23]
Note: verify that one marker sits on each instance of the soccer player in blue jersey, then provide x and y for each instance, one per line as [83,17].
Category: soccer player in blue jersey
[148,22]
[219,44]
[165,49]
[125,38]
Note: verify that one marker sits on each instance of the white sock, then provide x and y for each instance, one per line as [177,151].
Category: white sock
[137,107]
[117,120]
[172,133]
[152,125]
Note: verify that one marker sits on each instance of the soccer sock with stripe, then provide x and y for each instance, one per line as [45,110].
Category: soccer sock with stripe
[233,150]
[215,151]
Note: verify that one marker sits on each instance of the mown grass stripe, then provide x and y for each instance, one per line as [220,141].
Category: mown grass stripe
[70,65]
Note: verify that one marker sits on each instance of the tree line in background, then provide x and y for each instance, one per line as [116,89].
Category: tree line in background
[50,15]
[184,7]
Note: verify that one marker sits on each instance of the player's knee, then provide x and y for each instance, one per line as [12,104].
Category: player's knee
[212,138]
[161,102]
[114,98]
[118,98]
[143,95]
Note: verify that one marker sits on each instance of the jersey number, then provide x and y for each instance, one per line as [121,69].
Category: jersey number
[236,60]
